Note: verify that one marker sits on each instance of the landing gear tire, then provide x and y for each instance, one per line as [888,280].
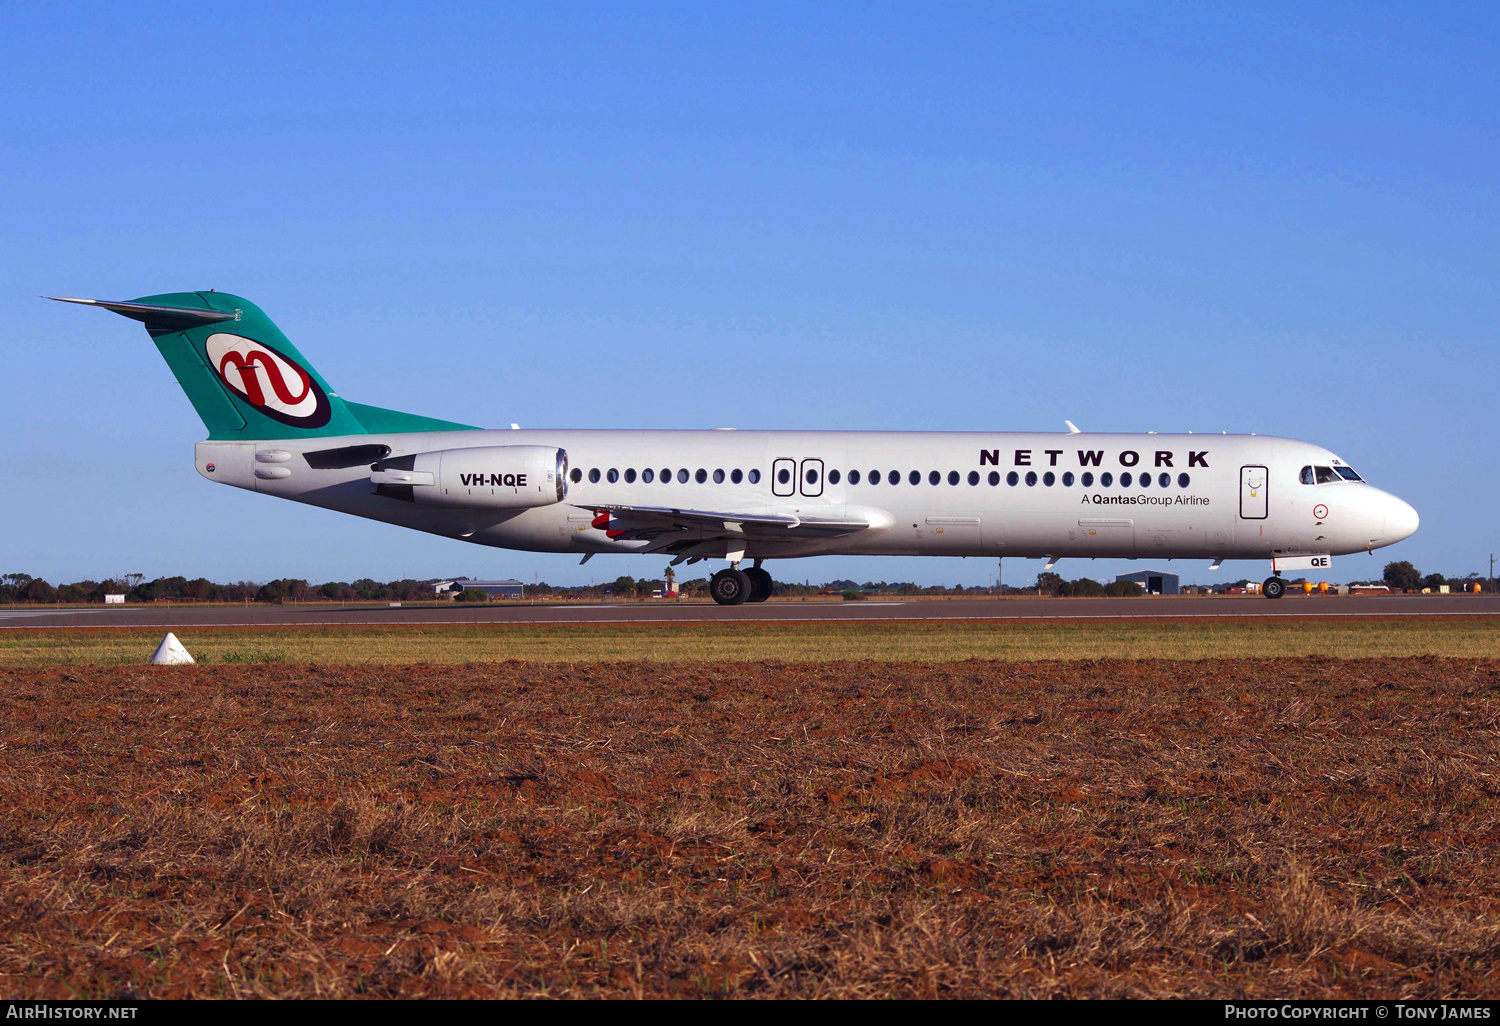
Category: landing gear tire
[760,584]
[729,587]
[1273,588]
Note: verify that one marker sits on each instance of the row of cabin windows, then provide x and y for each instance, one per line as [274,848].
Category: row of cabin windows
[784,476]
[1327,475]
[665,475]
[1106,479]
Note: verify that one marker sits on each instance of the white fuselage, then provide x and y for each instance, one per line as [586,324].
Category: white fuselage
[1209,496]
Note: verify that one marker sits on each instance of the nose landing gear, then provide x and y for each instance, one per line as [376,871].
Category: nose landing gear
[1273,588]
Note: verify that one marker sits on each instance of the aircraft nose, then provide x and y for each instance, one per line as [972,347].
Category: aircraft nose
[1401,520]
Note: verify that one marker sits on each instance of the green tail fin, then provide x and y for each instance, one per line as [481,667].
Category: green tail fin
[243,376]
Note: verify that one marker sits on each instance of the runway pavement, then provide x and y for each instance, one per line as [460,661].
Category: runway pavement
[1013,608]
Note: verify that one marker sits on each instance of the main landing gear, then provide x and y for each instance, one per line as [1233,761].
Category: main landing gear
[733,586]
[729,587]
[1273,587]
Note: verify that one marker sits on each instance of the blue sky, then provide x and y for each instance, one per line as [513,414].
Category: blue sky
[1164,217]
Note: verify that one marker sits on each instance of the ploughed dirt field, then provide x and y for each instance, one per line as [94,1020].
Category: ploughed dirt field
[1308,827]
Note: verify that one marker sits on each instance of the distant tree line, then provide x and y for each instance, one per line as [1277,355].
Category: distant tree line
[1402,576]
[1053,584]
[1048,583]
[23,588]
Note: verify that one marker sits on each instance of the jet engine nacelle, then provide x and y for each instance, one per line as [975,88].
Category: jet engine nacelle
[484,477]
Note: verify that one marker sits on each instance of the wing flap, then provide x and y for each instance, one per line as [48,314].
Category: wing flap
[650,521]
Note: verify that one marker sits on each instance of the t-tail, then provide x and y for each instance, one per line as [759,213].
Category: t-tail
[243,376]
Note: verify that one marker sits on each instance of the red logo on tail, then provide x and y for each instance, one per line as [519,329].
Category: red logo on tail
[269,380]
[250,377]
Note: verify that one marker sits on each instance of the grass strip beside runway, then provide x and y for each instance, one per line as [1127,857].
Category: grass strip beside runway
[1338,637]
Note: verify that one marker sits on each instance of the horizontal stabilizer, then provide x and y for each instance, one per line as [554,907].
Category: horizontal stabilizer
[157,318]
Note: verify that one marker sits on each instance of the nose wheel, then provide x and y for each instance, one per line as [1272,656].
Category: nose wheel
[1273,588]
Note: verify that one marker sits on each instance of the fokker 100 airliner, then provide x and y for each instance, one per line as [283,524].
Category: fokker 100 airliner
[274,426]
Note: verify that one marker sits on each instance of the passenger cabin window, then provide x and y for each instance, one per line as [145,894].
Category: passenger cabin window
[1012,479]
[718,476]
[630,476]
[833,477]
[1049,479]
[754,477]
[783,476]
[915,477]
[576,475]
[1125,479]
[854,477]
[648,475]
[1325,475]
[1183,480]
[894,477]
[682,476]
[934,477]
[1030,479]
[666,476]
[1106,479]
[994,478]
[973,477]
[594,476]
[735,477]
[701,477]
[1068,479]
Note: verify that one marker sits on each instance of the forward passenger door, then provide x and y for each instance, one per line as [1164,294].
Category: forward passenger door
[1253,505]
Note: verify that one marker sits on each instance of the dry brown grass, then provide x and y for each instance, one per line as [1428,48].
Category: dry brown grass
[1308,827]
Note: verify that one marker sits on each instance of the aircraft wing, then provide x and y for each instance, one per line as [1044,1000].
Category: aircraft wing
[654,521]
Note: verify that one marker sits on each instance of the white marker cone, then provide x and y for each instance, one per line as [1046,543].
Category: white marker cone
[170,652]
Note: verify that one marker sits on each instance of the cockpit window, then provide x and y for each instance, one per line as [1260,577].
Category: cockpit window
[1348,474]
[1325,475]
[1306,476]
